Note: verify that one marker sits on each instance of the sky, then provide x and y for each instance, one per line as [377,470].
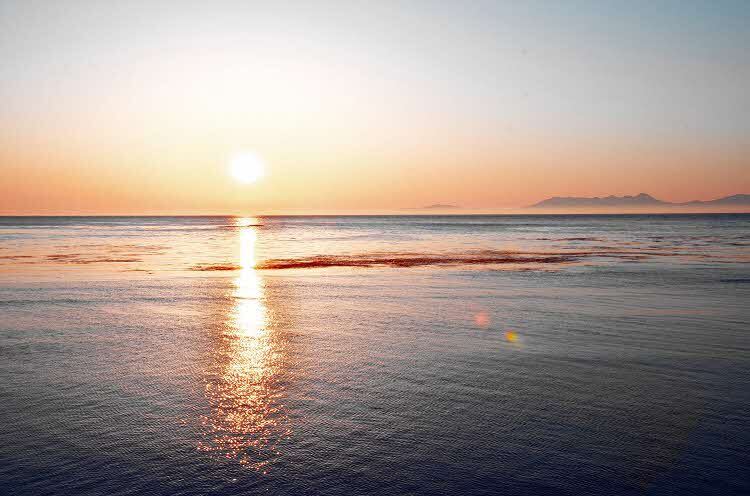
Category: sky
[138,107]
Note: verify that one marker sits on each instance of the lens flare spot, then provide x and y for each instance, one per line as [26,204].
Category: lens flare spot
[482,319]
[511,336]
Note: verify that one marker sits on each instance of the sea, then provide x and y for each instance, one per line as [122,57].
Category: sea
[375,355]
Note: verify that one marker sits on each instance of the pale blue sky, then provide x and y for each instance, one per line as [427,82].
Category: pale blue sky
[672,67]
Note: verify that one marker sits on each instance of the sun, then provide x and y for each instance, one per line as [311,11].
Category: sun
[247,168]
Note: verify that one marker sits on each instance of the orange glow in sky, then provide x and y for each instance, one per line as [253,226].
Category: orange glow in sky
[139,109]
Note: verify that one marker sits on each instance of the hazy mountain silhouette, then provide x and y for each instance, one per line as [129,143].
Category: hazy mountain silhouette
[727,200]
[436,206]
[640,200]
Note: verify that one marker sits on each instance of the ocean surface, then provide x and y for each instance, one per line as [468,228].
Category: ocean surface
[420,355]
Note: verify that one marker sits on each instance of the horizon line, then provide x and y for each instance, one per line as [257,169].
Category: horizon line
[465,214]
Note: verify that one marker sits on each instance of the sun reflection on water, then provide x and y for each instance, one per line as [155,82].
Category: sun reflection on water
[244,387]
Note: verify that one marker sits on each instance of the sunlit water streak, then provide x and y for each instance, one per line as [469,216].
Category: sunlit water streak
[242,386]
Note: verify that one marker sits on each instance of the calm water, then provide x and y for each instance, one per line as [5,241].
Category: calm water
[529,355]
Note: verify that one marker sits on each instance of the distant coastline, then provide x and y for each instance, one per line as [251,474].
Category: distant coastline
[436,206]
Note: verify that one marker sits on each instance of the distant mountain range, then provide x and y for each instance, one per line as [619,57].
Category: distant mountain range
[640,200]
[436,206]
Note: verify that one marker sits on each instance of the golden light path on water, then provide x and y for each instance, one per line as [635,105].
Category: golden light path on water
[243,388]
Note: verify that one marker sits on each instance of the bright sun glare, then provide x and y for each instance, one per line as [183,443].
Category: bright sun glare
[247,168]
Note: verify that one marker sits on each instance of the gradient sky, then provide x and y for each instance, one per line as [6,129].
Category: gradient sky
[136,107]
